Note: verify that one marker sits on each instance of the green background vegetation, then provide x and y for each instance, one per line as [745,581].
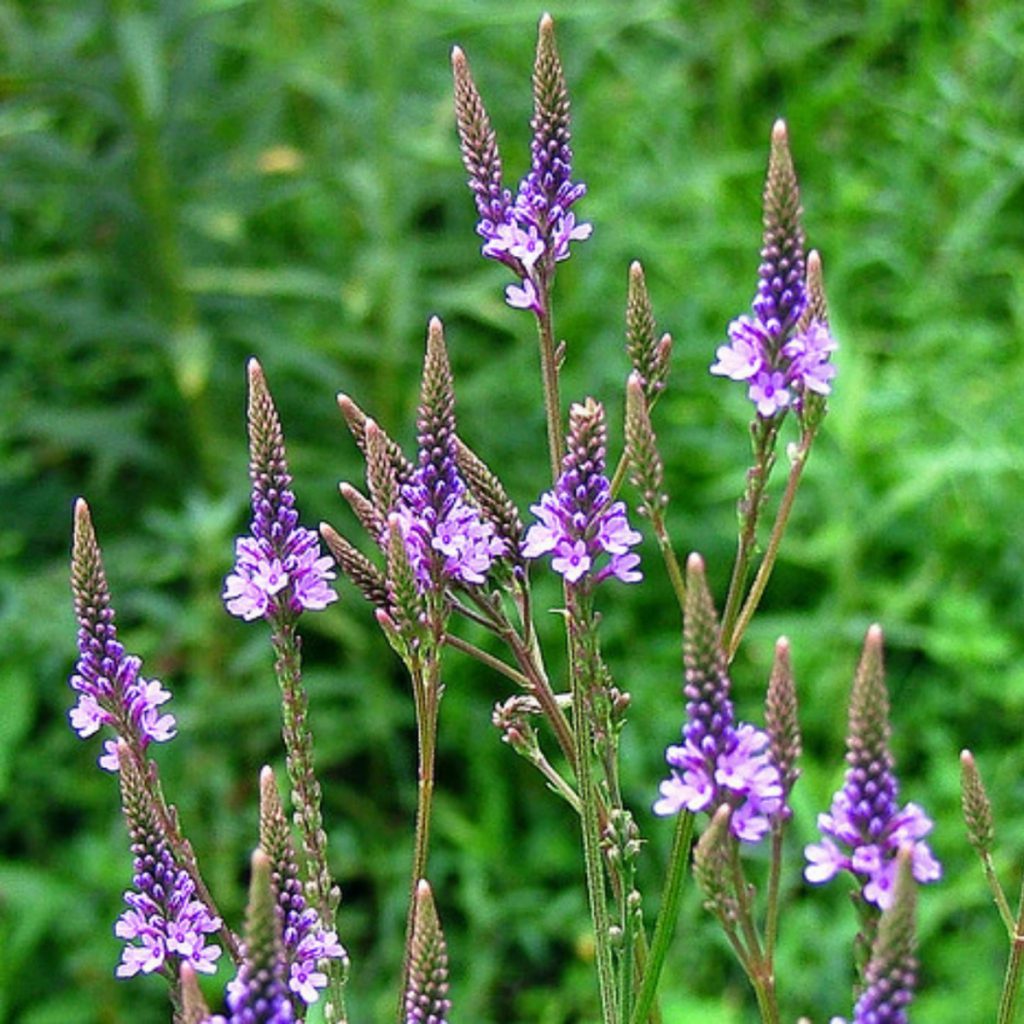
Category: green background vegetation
[184,185]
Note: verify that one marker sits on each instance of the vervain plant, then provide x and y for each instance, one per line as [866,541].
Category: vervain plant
[451,550]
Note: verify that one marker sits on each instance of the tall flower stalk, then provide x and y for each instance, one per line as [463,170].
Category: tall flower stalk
[783,354]
[279,573]
[112,692]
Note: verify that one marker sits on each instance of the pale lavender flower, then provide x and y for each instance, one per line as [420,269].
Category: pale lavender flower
[532,231]
[279,570]
[784,350]
[110,689]
[865,827]
[720,761]
[446,538]
[577,522]
[165,924]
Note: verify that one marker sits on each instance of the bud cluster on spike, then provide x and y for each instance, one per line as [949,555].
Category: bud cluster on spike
[977,807]
[258,993]
[891,974]
[648,354]
[865,828]
[719,762]
[110,689]
[578,522]
[780,718]
[531,232]
[279,570]
[780,352]
[305,942]
[446,538]
[164,922]
[426,995]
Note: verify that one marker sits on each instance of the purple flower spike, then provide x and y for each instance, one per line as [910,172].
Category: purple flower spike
[279,569]
[720,761]
[165,923]
[110,689]
[446,538]
[784,350]
[533,231]
[865,827]
[577,521]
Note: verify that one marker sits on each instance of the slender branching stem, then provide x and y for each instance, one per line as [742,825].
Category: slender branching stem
[458,644]
[668,555]
[764,571]
[549,374]
[771,921]
[998,895]
[765,433]
[668,915]
[1014,968]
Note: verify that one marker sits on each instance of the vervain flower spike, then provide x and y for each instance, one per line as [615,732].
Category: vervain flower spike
[110,689]
[779,362]
[531,232]
[578,523]
[259,992]
[165,925]
[720,761]
[305,943]
[446,538]
[426,994]
[279,570]
[865,828]
[891,973]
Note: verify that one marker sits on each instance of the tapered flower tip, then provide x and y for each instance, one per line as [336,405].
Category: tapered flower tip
[636,272]
[255,373]
[874,639]
[695,564]
[458,58]
[813,264]
[782,647]
[83,529]
[634,386]
[547,23]
[267,777]
[435,333]
[423,892]
[780,134]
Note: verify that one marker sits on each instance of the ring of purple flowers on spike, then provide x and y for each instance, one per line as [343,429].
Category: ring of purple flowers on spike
[533,231]
[779,359]
[110,689]
[578,523]
[279,569]
[164,919]
[865,827]
[720,761]
[446,538]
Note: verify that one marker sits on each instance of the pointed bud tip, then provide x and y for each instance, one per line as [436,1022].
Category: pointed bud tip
[253,369]
[547,23]
[636,270]
[260,861]
[423,889]
[966,758]
[694,563]
[782,646]
[875,635]
[458,57]
[780,135]
[266,775]
[814,262]
[634,382]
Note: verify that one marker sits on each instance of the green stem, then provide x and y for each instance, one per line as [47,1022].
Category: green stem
[771,923]
[549,374]
[487,659]
[668,915]
[765,433]
[298,741]
[764,571]
[1012,978]
[580,633]
[668,555]
[997,892]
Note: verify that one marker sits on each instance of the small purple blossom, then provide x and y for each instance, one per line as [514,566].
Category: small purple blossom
[533,230]
[446,537]
[720,761]
[784,349]
[279,569]
[110,689]
[865,828]
[577,522]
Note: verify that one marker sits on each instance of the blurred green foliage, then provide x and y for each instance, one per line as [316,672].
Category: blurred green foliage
[185,184]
